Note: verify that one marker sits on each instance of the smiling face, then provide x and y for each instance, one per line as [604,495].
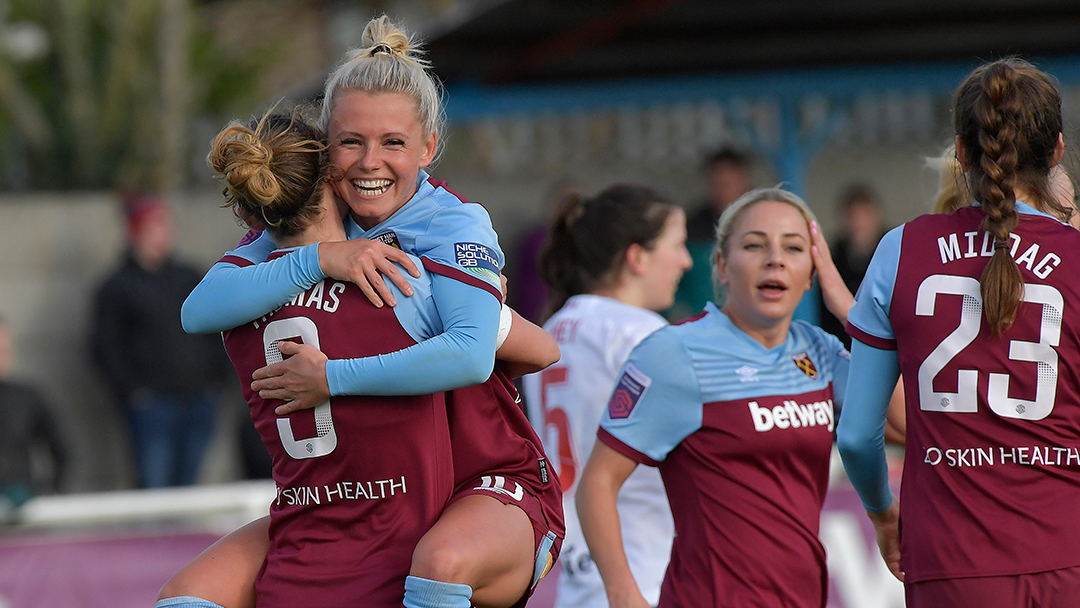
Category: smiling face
[767,268]
[377,141]
[663,264]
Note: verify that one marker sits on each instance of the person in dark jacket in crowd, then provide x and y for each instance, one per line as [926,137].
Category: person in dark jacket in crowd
[728,174]
[863,226]
[166,380]
[28,429]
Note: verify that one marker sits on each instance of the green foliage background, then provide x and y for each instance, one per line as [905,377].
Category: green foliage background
[112,101]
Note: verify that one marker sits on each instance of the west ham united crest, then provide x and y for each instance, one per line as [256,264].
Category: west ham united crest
[805,365]
[388,238]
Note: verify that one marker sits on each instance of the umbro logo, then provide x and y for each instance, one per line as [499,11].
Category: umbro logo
[747,374]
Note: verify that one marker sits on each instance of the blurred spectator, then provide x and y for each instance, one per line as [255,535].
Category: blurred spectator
[255,462]
[29,433]
[166,380]
[728,175]
[863,226]
[527,293]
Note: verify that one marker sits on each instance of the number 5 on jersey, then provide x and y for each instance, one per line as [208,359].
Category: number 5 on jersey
[326,438]
[557,426]
[1042,353]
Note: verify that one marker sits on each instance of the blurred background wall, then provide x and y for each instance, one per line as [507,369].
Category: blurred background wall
[99,97]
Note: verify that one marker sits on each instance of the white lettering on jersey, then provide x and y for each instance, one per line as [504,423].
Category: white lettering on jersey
[377,489]
[950,250]
[317,297]
[1033,456]
[792,415]
[498,485]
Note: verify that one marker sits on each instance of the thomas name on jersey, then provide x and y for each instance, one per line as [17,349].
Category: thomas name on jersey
[792,415]
[950,248]
[343,490]
[317,297]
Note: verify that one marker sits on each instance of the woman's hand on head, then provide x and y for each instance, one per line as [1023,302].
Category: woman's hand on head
[300,379]
[834,291]
[365,262]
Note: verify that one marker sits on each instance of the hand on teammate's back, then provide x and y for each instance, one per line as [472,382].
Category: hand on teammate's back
[300,379]
[364,262]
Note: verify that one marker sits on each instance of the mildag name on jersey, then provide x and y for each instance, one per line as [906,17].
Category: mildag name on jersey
[478,259]
[955,246]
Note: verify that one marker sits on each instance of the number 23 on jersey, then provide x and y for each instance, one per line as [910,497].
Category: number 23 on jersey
[1042,353]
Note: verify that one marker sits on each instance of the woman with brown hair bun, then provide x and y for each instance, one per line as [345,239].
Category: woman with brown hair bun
[613,261]
[501,529]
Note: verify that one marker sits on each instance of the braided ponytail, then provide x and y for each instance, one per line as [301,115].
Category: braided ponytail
[1008,119]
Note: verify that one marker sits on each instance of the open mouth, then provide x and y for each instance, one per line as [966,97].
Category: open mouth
[372,187]
[772,288]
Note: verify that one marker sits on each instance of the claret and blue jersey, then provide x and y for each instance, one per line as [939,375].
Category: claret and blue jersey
[456,244]
[355,493]
[743,434]
[490,434]
[452,239]
[993,424]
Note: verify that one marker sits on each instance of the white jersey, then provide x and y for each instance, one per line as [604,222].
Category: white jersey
[565,403]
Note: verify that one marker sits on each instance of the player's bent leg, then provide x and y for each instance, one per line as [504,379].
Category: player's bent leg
[222,575]
[480,542]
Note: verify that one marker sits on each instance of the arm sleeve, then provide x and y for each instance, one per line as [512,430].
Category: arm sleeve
[656,402]
[860,434]
[841,369]
[460,239]
[463,355]
[868,320]
[231,295]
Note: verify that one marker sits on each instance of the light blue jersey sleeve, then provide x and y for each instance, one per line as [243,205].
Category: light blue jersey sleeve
[870,312]
[657,401]
[841,365]
[462,355]
[232,293]
[460,237]
[860,434]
